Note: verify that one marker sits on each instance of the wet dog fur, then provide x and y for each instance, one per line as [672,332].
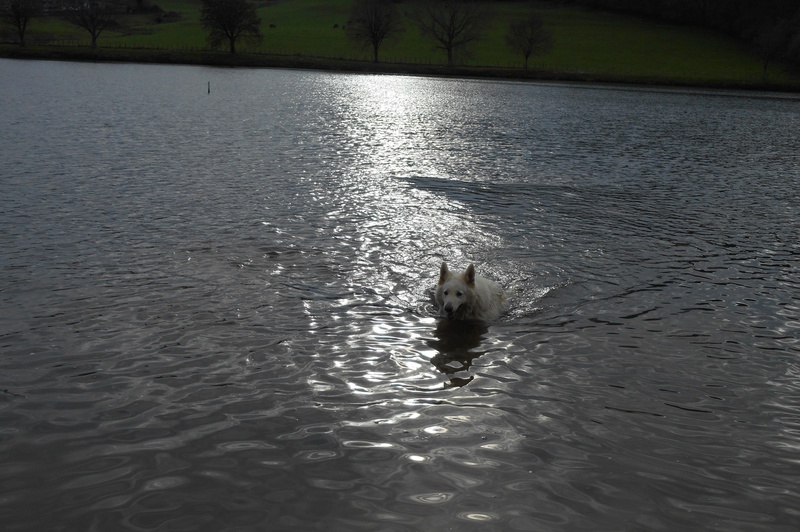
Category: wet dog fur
[467,296]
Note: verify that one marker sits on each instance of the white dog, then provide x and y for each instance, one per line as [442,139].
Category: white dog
[467,296]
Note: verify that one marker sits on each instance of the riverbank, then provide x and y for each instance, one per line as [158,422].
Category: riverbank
[590,46]
[249,60]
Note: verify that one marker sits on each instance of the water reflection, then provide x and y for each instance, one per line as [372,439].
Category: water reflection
[396,232]
[392,122]
[456,343]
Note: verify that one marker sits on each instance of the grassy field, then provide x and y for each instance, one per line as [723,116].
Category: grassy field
[591,43]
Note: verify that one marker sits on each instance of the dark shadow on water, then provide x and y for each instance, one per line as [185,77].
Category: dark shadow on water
[456,342]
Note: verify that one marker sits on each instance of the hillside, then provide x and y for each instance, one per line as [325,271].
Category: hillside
[588,44]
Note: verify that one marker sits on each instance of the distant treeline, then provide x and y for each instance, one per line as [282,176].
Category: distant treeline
[772,26]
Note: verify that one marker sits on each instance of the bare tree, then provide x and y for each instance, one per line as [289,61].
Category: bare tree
[229,21]
[529,37]
[18,13]
[92,15]
[452,23]
[772,42]
[372,22]
[794,47]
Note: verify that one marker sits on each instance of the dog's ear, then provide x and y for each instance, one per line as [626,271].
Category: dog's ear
[444,273]
[470,275]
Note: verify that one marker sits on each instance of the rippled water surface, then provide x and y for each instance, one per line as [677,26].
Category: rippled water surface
[216,308]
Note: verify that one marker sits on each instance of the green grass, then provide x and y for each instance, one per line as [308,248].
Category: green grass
[587,42]
[307,27]
[598,42]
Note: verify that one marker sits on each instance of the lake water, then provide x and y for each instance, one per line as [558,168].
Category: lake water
[216,307]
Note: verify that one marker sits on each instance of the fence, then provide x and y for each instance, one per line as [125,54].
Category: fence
[515,68]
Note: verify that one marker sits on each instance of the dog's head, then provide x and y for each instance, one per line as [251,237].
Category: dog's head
[454,292]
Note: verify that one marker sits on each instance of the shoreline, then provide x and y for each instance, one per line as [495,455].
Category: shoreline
[245,60]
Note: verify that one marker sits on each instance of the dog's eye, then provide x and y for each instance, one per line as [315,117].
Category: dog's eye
[445,292]
[459,294]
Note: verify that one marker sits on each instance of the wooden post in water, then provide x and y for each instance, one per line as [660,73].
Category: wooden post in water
[209,87]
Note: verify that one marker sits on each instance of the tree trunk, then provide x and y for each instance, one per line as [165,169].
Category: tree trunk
[233,45]
[375,53]
[21,29]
